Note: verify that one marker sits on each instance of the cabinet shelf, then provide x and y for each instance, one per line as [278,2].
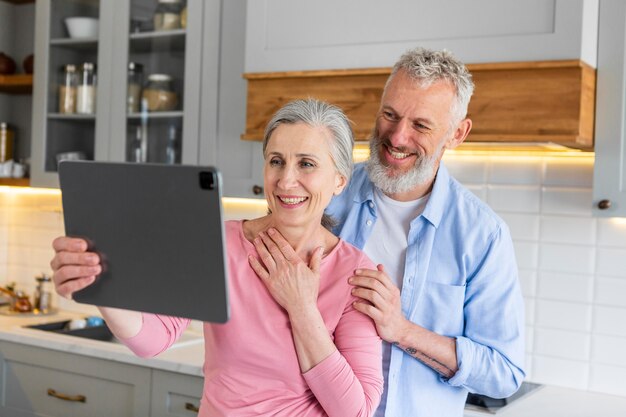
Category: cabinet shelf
[16,84]
[77,117]
[158,41]
[87,44]
[15,182]
[156,115]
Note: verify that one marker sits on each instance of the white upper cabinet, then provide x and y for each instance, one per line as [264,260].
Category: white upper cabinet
[609,182]
[292,35]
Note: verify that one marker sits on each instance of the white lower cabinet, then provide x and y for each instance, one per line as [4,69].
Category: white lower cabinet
[41,382]
[175,394]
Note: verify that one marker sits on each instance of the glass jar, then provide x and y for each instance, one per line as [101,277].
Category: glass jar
[167,15]
[7,142]
[135,81]
[159,95]
[67,89]
[183,18]
[86,90]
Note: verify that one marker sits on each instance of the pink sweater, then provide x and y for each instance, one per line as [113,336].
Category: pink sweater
[251,367]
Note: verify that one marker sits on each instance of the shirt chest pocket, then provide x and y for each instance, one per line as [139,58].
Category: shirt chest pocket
[440,308]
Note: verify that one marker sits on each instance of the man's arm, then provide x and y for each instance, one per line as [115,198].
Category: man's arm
[434,350]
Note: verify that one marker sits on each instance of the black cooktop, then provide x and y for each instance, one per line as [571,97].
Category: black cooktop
[493,405]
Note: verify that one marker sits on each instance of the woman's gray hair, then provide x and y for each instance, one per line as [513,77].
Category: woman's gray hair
[426,66]
[317,113]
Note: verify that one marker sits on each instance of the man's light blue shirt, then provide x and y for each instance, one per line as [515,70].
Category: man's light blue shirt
[461,281]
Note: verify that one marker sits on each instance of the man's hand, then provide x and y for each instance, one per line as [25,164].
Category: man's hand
[384,305]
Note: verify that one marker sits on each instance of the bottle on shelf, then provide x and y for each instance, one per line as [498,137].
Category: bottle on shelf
[138,149]
[86,90]
[172,148]
[135,81]
[67,90]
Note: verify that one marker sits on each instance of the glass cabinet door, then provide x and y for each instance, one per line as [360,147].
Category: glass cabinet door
[72,102]
[158,104]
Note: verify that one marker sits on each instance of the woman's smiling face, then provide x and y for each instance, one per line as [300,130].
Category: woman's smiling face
[300,177]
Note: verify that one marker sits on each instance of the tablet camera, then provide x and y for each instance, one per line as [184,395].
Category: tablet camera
[207,180]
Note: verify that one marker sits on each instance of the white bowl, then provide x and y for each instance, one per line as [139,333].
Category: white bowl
[82,27]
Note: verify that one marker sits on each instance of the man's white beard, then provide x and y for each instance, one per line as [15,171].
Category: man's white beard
[422,172]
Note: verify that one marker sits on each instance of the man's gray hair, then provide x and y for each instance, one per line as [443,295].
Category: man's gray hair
[316,113]
[426,66]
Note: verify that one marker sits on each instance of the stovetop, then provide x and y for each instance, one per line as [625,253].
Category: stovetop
[490,405]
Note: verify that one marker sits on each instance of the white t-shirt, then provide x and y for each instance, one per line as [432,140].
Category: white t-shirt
[387,245]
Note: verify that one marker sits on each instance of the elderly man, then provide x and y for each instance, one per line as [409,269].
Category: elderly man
[445,298]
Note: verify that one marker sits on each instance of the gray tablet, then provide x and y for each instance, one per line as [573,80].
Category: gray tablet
[160,234]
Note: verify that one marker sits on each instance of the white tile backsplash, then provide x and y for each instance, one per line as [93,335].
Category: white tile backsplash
[522,226]
[515,172]
[567,258]
[565,287]
[562,372]
[610,291]
[610,321]
[527,254]
[607,379]
[608,350]
[571,265]
[611,262]
[562,315]
[569,173]
[528,282]
[518,198]
[567,229]
[612,232]
[566,201]
[562,344]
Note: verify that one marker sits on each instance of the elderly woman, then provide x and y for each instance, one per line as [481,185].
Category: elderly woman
[293,346]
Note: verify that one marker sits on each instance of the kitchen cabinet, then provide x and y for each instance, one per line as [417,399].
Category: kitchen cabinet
[41,382]
[205,59]
[609,182]
[175,394]
[154,132]
[288,35]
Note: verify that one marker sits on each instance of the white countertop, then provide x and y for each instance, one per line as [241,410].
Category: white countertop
[185,356]
[550,401]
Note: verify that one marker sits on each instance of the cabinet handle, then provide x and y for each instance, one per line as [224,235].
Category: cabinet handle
[604,204]
[65,397]
[257,189]
[191,407]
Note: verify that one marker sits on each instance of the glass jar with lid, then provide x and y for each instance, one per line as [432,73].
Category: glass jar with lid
[6,143]
[135,81]
[67,89]
[86,90]
[158,94]
[167,15]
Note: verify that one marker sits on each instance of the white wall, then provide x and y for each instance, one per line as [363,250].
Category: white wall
[571,264]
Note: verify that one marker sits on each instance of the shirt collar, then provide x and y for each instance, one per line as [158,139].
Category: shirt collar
[438,196]
[436,202]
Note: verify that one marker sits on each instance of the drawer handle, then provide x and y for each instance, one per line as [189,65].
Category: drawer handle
[65,397]
[191,407]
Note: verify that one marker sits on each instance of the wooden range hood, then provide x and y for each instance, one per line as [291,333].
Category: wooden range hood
[517,102]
